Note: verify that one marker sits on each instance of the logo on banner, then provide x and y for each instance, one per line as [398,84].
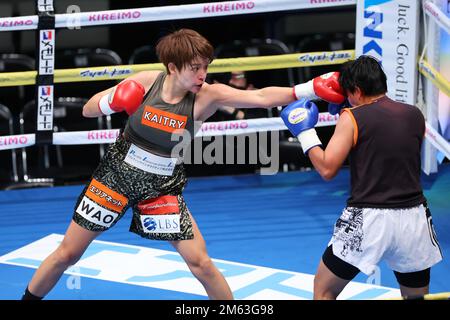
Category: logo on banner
[46,91]
[46,52]
[224,126]
[229,6]
[47,35]
[45,108]
[45,5]
[372,30]
[387,30]
[15,23]
[118,15]
[107,72]
[312,58]
[108,135]
[13,141]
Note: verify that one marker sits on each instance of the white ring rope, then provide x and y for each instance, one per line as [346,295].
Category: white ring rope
[208,129]
[437,140]
[188,11]
[439,17]
[426,68]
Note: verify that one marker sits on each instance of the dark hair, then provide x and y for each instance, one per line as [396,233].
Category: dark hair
[365,73]
[183,46]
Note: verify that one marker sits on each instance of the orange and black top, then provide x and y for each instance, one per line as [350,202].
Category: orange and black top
[158,126]
[385,158]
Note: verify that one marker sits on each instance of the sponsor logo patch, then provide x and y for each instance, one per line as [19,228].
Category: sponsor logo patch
[297,115]
[166,223]
[106,197]
[160,205]
[163,120]
[160,215]
[91,211]
[149,162]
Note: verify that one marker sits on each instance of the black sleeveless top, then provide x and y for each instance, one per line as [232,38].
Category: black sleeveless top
[385,161]
[157,126]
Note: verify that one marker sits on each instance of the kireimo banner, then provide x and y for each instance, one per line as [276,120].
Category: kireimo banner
[388,30]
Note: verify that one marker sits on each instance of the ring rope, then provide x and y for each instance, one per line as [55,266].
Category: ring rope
[233,127]
[439,17]
[425,68]
[188,11]
[437,140]
[292,60]
[430,73]
[207,129]
[429,296]
[434,76]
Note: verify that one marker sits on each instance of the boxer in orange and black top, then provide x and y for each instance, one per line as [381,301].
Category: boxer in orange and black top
[386,215]
[142,155]
[142,171]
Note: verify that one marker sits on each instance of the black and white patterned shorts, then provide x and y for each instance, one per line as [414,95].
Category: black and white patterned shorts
[403,237]
[159,209]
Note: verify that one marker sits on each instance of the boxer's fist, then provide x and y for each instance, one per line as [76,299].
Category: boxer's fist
[336,108]
[325,87]
[126,96]
[300,117]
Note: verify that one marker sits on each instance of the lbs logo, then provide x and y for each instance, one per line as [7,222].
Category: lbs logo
[149,224]
[160,223]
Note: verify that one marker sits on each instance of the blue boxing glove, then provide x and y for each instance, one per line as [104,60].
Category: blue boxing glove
[334,108]
[300,117]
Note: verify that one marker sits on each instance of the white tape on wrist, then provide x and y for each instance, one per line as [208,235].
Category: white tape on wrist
[309,139]
[305,90]
[104,106]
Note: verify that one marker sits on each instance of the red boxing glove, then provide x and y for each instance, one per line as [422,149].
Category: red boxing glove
[126,96]
[325,87]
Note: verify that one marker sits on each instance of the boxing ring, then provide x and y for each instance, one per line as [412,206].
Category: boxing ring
[261,255]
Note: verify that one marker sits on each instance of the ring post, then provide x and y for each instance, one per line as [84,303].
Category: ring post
[44,78]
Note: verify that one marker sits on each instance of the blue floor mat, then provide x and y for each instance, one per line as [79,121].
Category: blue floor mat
[282,222]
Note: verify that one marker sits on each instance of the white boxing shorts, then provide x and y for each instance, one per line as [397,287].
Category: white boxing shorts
[404,238]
